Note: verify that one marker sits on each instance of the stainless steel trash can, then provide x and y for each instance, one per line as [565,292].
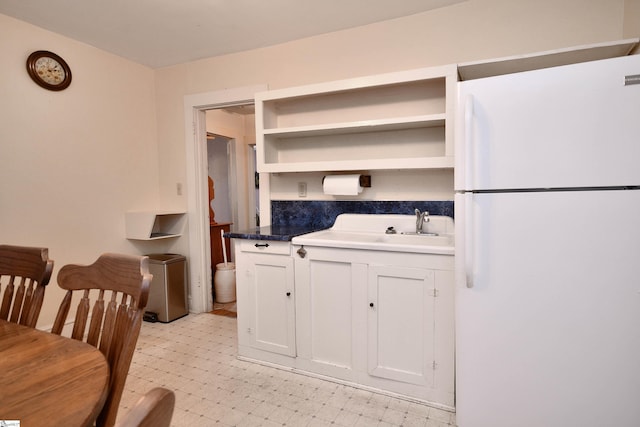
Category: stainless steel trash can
[168,291]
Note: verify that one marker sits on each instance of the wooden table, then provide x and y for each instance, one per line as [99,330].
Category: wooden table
[49,380]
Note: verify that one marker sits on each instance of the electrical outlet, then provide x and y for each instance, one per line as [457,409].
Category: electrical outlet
[302,189]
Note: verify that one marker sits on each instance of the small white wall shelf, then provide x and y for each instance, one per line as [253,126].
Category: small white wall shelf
[154,225]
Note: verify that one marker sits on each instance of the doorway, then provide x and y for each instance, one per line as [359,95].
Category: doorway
[197,108]
[229,155]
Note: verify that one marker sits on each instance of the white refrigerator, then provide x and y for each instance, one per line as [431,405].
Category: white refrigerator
[548,247]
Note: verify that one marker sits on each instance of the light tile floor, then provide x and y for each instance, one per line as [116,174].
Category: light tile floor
[196,357]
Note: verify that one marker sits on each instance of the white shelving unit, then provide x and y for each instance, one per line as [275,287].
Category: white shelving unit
[154,225]
[551,58]
[398,120]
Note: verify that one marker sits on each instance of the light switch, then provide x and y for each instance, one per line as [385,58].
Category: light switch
[302,189]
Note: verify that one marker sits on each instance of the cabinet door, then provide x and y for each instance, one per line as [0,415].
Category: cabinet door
[401,324]
[270,300]
[327,285]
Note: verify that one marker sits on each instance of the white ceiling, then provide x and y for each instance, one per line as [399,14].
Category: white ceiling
[159,33]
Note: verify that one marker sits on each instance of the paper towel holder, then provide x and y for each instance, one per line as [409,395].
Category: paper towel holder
[365,181]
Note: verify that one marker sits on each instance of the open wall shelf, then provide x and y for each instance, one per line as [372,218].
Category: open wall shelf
[391,121]
[154,225]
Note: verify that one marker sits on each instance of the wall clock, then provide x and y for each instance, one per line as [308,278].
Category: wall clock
[49,70]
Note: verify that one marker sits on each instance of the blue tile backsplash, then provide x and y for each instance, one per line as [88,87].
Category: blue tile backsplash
[322,213]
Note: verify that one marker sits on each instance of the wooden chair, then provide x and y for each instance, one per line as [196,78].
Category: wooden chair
[24,273]
[154,409]
[119,285]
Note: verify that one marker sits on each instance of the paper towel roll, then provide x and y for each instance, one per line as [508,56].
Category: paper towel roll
[342,185]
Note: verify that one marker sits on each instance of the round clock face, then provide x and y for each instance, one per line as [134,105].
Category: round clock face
[49,70]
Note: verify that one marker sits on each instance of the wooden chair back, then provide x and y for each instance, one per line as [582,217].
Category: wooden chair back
[118,286]
[24,274]
[154,409]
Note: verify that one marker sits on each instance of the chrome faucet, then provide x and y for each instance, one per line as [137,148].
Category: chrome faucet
[421,218]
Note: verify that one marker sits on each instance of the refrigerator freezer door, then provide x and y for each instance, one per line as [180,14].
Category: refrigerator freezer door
[569,126]
[548,334]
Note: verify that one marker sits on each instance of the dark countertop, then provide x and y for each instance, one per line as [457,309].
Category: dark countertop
[273,232]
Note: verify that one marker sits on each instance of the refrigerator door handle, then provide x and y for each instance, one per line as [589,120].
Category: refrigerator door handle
[468,236]
[468,141]
[464,240]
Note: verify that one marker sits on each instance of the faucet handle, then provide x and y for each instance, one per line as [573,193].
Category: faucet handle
[422,215]
[421,218]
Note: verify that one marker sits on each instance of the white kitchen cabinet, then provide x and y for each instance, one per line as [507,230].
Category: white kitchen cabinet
[379,319]
[399,120]
[265,298]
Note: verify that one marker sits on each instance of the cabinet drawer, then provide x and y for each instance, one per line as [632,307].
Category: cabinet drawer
[266,247]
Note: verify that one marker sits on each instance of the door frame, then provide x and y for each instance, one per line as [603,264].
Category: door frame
[197,190]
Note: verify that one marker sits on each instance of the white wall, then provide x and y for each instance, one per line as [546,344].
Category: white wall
[385,185]
[72,162]
[631,24]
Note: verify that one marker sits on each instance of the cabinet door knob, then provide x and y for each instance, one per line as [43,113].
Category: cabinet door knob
[288,294]
[302,252]
[371,304]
